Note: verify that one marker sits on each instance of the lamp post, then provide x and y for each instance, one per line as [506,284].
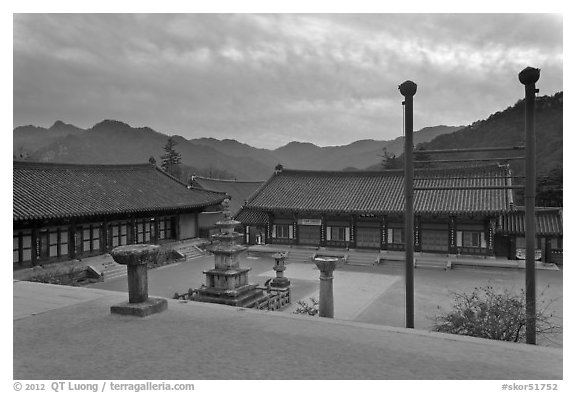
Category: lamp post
[528,77]
[408,89]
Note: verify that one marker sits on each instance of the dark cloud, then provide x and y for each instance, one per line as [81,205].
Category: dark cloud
[270,79]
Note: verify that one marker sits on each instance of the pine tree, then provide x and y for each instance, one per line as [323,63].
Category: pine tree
[171,159]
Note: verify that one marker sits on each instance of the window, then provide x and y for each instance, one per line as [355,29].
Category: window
[164,228]
[283,231]
[396,235]
[338,233]
[88,236]
[471,239]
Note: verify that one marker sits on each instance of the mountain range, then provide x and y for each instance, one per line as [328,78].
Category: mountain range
[115,142]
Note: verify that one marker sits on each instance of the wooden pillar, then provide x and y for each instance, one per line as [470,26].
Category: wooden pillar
[177,226]
[547,256]
[269,228]
[384,229]
[295,224]
[418,234]
[322,231]
[34,246]
[452,248]
[353,228]
[156,225]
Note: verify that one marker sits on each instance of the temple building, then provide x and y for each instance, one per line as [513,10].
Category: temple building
[71,211]
[365,210]
[239,192]
[510,234]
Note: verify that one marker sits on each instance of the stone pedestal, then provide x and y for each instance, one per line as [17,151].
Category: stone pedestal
[136,257]
[326,265]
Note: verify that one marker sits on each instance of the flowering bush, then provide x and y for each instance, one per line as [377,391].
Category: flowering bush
[497,315]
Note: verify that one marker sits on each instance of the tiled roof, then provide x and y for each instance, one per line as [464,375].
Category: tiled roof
[239,191]
[548,222]
[249,216]
[42,190]
[383,192]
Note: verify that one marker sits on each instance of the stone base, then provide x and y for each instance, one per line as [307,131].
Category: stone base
[150,306]
[280,282]
[240,297]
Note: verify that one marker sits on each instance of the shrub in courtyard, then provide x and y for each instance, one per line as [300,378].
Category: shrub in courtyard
[308,309]
[489,313]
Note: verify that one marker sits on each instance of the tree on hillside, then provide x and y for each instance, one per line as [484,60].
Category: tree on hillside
[390,161]
[549,188]
[420,155]
[171,159]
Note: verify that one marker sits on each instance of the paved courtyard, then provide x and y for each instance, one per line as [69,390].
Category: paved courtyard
[371,294]
[77,340]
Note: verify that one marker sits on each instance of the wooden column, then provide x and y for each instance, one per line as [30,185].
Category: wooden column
[322,231]
[34,246]
[452,248]
[418,234]
[384,229]
[353,228]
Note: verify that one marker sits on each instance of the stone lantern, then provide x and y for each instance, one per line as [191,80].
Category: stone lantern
[279,281]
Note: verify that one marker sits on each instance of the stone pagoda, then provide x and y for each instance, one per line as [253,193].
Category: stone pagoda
[228,283]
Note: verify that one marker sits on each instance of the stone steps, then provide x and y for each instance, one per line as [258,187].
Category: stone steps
[362,258]
[113,271]
[299,255]
[190,252]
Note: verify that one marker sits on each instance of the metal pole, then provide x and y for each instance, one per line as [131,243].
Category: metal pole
[408,89]
[528,77]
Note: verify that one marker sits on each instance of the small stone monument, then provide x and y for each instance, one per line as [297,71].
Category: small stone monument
[136,257]
[326,265]
[228,282]
[279,281]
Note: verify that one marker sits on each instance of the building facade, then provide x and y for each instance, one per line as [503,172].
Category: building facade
[366,209]
[510,234]
[69,211]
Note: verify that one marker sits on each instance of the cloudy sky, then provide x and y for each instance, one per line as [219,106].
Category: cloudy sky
[266,80]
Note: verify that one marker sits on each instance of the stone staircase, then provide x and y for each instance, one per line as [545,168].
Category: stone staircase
[361,258]
[300,255]
[113,270]
[432,262]
[190,251]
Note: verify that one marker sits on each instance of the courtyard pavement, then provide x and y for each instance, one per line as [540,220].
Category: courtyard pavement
[353,291]
[76,337]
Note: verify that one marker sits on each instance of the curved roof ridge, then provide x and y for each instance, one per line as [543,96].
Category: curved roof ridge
[69,165]
[391,171]
[228,180]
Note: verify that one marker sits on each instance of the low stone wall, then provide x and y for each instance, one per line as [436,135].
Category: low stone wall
[275,299]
